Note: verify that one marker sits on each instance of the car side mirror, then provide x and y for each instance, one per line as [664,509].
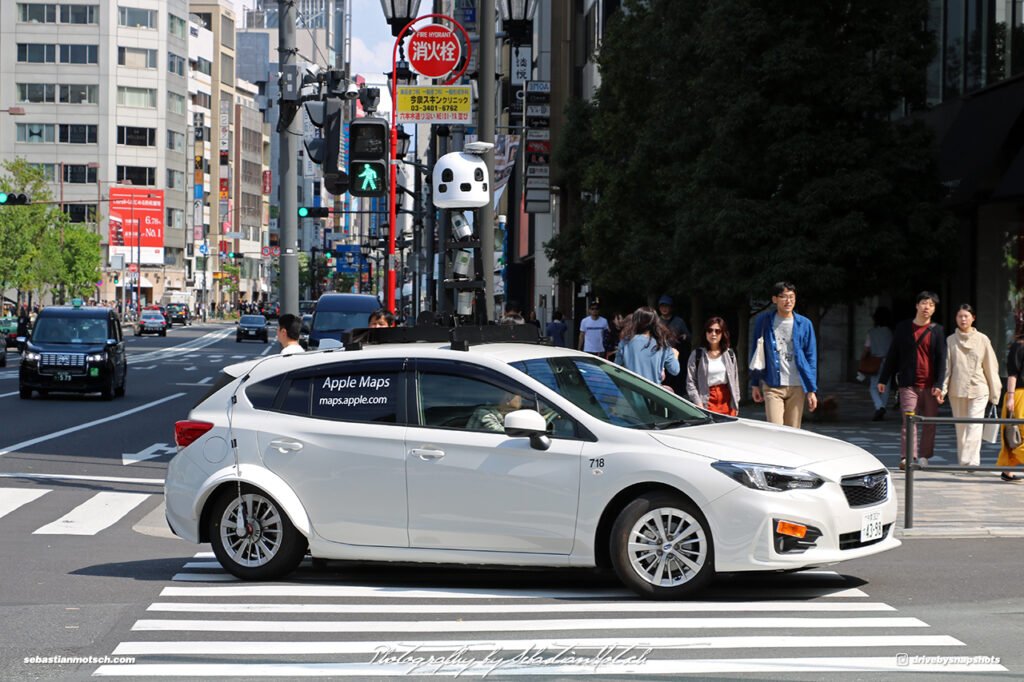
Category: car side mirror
[21,339]
[111,342]
[528,424]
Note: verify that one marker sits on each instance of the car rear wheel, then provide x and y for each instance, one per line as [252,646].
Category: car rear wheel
[24,393]
[252,537]
[661,546]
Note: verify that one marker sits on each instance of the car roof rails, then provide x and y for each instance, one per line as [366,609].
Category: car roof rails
[459,338]
[355,339]
[464,337]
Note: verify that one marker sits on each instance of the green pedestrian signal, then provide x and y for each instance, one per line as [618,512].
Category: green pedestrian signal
[368,179]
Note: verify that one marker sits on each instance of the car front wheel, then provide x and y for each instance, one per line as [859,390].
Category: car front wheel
[661,547]
[252,537]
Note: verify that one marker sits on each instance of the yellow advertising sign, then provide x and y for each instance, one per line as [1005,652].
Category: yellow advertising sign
[434,104]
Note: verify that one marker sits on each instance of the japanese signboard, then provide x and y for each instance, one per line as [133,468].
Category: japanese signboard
[434,51]
[450,104]
[135,212]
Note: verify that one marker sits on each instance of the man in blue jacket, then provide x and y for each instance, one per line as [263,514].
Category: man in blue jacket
[790,360]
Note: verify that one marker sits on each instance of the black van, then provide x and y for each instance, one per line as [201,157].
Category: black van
[338,313]
[75,349]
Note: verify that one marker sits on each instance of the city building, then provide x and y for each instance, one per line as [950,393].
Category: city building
[103,88]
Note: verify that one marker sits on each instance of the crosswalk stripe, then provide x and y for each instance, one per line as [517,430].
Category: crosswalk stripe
[12,498]
[100,511]
[512,666]
[210,648]
[377,591]
[567,624]
[204,578]
[587,607]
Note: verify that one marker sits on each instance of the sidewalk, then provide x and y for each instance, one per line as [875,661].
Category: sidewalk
[946,504]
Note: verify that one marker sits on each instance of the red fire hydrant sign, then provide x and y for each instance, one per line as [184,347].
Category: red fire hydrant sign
[434,51]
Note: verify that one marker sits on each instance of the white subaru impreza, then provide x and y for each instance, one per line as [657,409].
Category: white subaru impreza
[516,454]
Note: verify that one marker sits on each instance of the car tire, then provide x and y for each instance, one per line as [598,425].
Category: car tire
[661,547]
[109,390]
[122,389]
[272,549]
[24,393]
[238,339]
[163,333]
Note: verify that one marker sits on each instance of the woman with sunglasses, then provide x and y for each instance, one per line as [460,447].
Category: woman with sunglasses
[712,380]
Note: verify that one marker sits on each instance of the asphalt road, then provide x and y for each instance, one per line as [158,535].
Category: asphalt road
[89,570]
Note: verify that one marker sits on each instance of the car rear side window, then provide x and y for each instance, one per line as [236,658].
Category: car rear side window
[296,397]
[263,393]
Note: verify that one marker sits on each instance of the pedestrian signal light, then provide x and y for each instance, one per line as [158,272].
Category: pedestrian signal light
[368,179]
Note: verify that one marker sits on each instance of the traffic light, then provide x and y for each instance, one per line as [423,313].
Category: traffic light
[368,157]
[326,149]
[14,199]
[314,212]
[117,280]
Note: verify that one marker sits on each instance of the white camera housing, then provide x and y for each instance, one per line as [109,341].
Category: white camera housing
[461,181]
[352,91]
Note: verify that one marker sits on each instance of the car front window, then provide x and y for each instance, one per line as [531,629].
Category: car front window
[70,330]
[611,394]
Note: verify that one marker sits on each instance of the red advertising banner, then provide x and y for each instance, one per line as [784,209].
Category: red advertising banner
[267,178]
[137,224]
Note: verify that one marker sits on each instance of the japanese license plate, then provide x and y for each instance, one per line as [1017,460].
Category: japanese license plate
[871,526]
[63,376]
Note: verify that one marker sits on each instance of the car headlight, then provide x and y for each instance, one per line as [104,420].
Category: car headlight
[96,357]
[31,356]
[767,477]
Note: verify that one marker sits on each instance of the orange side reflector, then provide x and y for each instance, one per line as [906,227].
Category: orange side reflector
[794,529]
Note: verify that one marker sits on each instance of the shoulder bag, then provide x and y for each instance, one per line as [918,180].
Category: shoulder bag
[757,361]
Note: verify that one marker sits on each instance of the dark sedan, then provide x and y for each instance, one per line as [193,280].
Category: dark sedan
[252,327]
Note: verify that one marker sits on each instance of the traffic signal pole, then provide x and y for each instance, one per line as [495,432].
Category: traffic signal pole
[289,130]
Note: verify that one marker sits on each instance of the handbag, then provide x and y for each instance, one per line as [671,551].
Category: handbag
[990,432]
[1011,437]
[869,365]
[757,362]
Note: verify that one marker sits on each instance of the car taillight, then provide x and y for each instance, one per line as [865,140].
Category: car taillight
[187,432]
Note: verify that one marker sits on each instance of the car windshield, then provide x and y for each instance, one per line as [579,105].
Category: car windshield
[70,330]
[340,320]
[611,394]
[253,319]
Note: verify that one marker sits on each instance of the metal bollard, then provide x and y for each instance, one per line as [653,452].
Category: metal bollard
[909,458]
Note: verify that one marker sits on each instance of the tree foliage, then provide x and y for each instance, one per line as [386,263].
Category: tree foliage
[40,250]
[735,143]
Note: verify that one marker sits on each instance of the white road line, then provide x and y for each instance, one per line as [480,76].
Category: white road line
[8,395]
[621,668]
[79,477]
[567,624]
[204,578]
[210,648]
[12,498]
[189,346]
[64,432]
[589,607]
[266,350]
[100,511]
[377,592]
[206,380]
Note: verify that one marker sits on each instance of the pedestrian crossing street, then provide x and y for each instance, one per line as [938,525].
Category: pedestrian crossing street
[209,625]
[72,511]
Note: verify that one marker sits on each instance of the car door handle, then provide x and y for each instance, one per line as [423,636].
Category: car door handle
[427,455]
[283,446]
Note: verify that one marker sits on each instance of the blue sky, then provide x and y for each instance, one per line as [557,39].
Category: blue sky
[371,36]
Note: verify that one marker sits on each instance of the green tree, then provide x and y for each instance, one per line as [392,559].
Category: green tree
[749,142]
[24,261]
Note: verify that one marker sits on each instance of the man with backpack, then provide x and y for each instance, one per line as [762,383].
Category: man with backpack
[917,358]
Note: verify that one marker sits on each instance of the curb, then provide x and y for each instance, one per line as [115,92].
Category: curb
[956,532]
